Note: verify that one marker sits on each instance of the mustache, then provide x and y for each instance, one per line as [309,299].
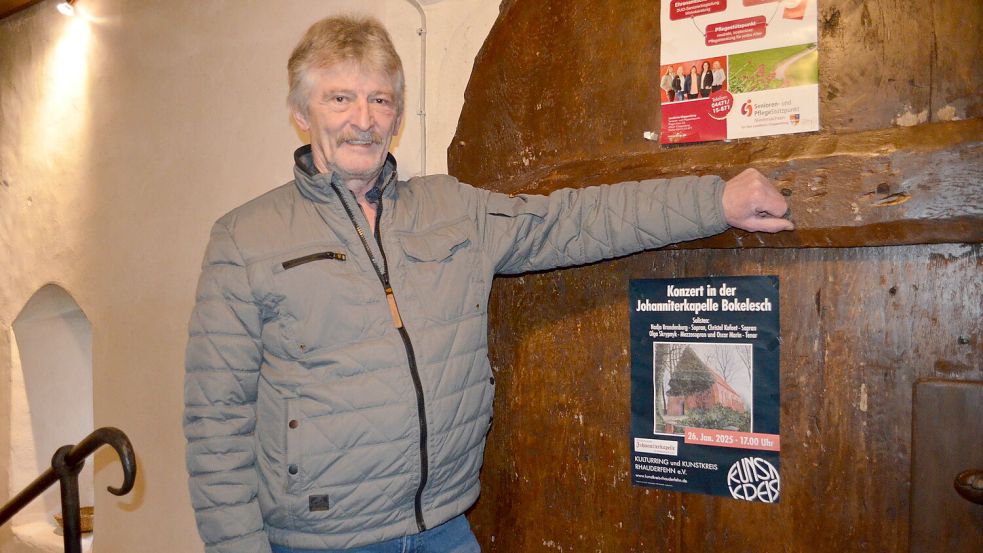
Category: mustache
[359,136]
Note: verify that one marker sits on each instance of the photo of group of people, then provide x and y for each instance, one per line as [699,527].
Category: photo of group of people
[693,80]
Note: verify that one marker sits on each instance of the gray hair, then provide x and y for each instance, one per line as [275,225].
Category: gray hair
[339,39]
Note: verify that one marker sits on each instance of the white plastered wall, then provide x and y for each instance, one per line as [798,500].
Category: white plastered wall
[124,133]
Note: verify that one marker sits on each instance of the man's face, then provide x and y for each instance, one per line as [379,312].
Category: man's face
[351,118]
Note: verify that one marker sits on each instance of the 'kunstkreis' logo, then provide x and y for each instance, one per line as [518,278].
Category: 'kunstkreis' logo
[754,479]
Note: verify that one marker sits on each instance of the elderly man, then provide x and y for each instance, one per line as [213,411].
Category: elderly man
[338,389]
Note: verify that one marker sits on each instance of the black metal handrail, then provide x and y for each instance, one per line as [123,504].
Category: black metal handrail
[66,464]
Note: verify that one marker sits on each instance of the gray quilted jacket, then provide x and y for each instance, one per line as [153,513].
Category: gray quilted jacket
[338,390]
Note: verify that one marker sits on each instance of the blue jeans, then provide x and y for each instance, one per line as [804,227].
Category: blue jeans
[453,536]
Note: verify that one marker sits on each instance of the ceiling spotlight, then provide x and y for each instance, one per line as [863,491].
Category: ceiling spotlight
[67,7]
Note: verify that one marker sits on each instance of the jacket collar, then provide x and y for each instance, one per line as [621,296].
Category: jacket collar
[318,187]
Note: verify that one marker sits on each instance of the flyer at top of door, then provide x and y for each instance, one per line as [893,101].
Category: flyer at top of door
[737,69]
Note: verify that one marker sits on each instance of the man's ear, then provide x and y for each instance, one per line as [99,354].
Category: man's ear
[301,120]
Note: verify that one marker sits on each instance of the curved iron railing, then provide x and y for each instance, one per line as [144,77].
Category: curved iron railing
[66,464]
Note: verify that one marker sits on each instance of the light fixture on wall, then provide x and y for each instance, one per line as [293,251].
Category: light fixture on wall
[67,7]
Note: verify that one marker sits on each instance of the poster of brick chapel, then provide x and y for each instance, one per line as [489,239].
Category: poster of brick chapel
[705,385]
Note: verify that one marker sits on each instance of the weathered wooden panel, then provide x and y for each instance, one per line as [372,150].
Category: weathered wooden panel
[859,326]
[875,63]
[566,80]
[9,7]
[556,98]
[956,68]
[895,186]
[559,97]
[947,439]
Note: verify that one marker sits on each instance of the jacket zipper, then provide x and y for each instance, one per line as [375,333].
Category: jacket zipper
[311,258]
[383,274]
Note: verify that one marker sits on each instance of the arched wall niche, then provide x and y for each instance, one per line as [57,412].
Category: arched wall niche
[49,399]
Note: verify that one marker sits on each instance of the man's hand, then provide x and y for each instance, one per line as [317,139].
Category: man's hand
[752,203]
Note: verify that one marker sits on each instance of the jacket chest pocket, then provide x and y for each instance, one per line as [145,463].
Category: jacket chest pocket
[320,298]
[443,270]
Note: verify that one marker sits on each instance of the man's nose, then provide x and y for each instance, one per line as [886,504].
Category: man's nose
[362,116]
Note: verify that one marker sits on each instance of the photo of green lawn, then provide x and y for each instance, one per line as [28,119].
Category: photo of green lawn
[775,68]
